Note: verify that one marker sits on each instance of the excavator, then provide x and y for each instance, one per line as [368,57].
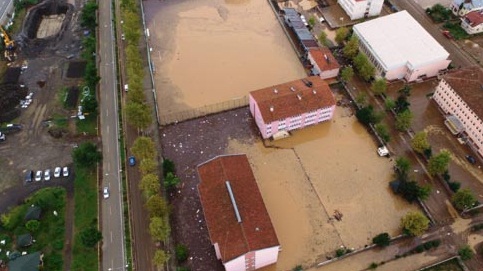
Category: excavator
[9,45]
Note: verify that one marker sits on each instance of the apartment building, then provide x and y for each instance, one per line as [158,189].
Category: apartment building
[462,7]
[358,9]
[472,22]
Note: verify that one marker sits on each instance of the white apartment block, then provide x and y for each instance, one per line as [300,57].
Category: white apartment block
[357,9]
[472,22]
[460,94]
[462,7]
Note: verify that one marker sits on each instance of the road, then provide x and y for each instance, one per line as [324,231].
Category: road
[459,57]
[3,8]
[113,249]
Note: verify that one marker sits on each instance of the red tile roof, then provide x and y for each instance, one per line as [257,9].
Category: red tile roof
[468,83]
[287,103]
[325,64]
[255,230]
[474,18]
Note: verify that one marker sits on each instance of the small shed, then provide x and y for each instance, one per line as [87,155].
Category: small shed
[33,213]
[24,240]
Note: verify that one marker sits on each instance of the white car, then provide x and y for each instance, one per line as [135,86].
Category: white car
[57,172]
[47,175]
[302,17]
[38,176]
[105,192]
[65,172]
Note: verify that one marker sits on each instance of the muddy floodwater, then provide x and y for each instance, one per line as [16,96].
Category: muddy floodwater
[209,51]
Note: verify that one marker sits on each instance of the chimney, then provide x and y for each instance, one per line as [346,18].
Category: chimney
[275,90]
[272,108]
[314,91]
[299,97]
[292,88]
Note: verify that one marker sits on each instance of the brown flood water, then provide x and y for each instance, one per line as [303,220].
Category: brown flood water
[210,51]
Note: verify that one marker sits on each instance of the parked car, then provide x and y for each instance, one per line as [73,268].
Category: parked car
[105,192]
[29,177]
[123,37]
[471,159]
[57,172]
[38,176]
[447,34]
[132,161]
[65,172]
[47,175]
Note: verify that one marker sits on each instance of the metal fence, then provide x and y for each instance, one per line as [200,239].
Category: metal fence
[175,117]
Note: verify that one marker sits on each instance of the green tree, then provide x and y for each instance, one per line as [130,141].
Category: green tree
[159,228]
[157,206]
[346,74]
[424,191]
[403,120]
[389,104]
[88,15]
[182,253]
[134,94]
[148,166]
[171,181]
[365,68]
[90,237]
[438,164]
[89,104]
[341,34]
[32,225]
[382,240]
[323,38]
[311,21]
[138,115]
[383,131]
[414,223]
[86,155]
[420,142]
[379,86]
[463,199]
[466,253]
[160,258]
[361,99]
[168,166]
[409,190]
[144,148]
[403,165]
[351,49]
[150,184]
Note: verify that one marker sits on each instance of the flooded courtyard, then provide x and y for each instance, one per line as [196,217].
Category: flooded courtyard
[209,51]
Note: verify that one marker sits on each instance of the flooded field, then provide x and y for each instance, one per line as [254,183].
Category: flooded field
[209,51]
[326,169]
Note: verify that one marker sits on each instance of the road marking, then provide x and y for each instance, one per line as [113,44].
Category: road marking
[107,113]
[110,210]
[109,168]
[111,236]
[107,128]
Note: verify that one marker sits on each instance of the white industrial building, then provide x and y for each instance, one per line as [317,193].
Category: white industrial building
[358,9]
[400,48]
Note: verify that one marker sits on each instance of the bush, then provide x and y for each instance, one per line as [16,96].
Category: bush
[181,253]
[168,167]
[340,252]
[466,253]
[90,237]
[373,266]
[298,268]
[382,240]
[419,249]
[454,186]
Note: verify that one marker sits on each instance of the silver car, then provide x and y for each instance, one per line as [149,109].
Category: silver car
[47,175]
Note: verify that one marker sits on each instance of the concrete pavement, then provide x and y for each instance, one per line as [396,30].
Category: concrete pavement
[113,247]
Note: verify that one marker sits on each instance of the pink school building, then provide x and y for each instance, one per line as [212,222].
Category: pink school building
[238,222]
[292,105]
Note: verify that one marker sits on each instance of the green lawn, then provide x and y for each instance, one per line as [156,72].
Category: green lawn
[86,212]
[88,125]
[49,237]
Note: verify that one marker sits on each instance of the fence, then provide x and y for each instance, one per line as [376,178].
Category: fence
[175,117]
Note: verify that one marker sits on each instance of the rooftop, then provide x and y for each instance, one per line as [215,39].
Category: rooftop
[468,83]
[234,238]
[293,98]
[324,58]
[474,18]
[398,39]
[472,4]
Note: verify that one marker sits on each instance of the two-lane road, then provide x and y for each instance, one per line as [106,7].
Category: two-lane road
[113,252]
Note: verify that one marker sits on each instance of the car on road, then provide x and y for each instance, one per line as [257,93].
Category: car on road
[57,172]
[29,177]
[47,175]
[123,37]
[65,172]
[105,192]
[447,34]
[38,176]
[470,159]
[132,161]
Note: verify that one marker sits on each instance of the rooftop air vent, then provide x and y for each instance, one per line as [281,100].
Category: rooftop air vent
[275,90]
[272,108]
[299,97]
[314,91]
[292,88]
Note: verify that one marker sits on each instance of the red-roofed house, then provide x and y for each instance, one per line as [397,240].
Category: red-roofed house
[238,222]
[323,62]
[292,105]
[472,22]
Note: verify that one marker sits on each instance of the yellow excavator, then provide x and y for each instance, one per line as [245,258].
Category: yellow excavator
[9,45]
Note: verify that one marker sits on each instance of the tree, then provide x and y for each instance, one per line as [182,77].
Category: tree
[323,38]
[361,99]
[135,95]
[409,190]
[90,237]
[148,166]
[414,223]
[89,104]
[382,240]
[403,120]
[88,15]
[403,165]
[466,253]
[438,164]
[463,199]
[150,184]
[182,253]
[402,104]
[32,225]
[365,68]
[383,131]
[424,191]
[157,206]
[159,228]
[351,49]
[168,166]
[389,104]
[365,115]
[420,142]
[144,148]
[341,34]
[138,115]
[171,181]
[86,155]
[379,86]
[160,258]
[346,74]
[311,21]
